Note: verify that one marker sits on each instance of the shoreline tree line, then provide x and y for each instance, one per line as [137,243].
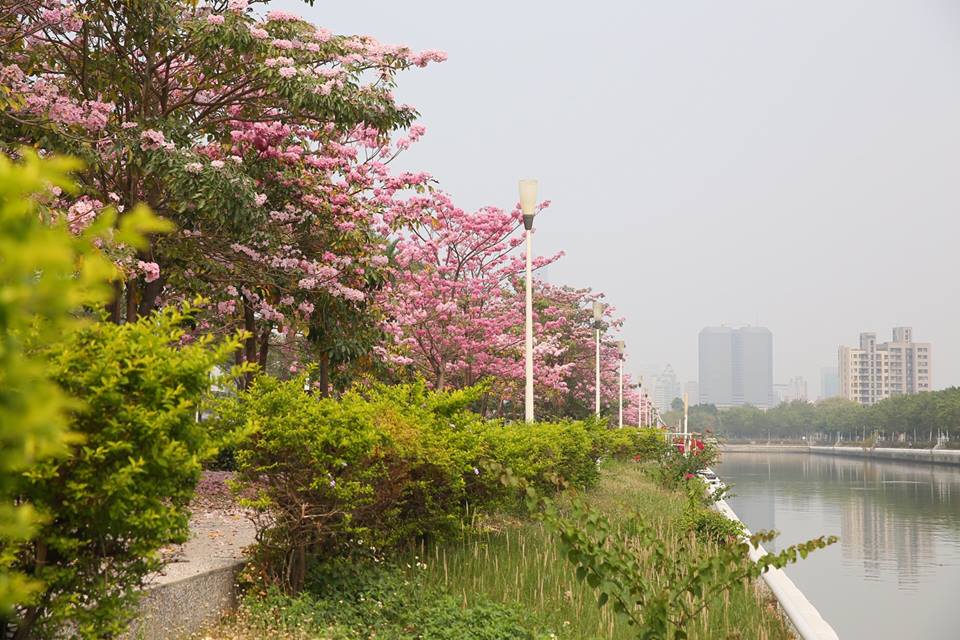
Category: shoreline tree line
[918,418]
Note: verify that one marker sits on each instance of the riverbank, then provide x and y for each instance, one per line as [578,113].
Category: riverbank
[929,456]
[895,568]
[510,579]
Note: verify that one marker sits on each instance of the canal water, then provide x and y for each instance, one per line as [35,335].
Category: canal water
[896,571]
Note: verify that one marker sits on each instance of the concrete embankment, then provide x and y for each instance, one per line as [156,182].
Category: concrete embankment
[199,584]
[768,448]
[929,456]
[807,622]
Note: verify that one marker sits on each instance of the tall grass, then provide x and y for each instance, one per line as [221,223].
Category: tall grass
[520,562]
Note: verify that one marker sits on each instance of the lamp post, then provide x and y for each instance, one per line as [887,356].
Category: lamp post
[640,403]
[597,317]
[528,203]
[620,347]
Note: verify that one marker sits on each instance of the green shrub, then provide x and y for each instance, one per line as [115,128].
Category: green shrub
[674,468]
[712,525]
[122,491]
[545,452]
[383,465]
[376,466]
[642,445]
[354,600]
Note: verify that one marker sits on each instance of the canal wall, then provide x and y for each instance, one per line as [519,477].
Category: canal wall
[805,619]
[928,456]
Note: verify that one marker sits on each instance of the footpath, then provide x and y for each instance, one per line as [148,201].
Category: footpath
[198,583]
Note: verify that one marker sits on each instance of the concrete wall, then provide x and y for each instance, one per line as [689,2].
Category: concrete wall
[934,456]
[179,609]
[929,456]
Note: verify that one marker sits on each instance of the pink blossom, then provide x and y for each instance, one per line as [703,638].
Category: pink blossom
[227,307]
[215,19]
[259,199]
[217,164]
[288,72]
[151,270]
[238,6]
[258,33]
[306,308]
[193,167]
[152,139]
[82,213]
[282,16]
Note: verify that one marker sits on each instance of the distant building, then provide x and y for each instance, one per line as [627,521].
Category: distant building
[781,392]
[666,388]
[797,389]
[692,389]
[829,382]
[736,367]
[873,371]
[716,366]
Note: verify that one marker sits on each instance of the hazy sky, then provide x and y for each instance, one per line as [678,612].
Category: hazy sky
[792,164]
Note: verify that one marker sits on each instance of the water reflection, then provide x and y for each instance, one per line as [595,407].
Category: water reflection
[896,569]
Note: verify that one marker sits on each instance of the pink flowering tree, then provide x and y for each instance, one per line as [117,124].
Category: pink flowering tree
[565,320]
[263,139]
[454,315]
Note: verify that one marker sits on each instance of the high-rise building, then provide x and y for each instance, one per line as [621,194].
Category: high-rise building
[829,382]
[716,365]
[873,371]
[666,388]
[736,366]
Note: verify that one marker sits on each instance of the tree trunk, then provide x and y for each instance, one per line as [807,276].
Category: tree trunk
[250,344]
[151,291]
[132,291]
[298,568]
[325,375]
[113,308]
[26,622]
[264,348]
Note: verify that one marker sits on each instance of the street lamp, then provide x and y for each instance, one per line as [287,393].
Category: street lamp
[528,204]
[620,346]
[640,403]
[597,317]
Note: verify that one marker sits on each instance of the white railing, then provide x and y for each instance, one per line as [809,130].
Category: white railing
[805,618]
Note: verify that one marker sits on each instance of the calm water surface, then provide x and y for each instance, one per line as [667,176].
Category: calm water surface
[896,571]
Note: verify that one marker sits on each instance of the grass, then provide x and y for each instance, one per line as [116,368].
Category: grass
[509,577]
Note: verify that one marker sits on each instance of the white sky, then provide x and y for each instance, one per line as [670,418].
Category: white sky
[795,164]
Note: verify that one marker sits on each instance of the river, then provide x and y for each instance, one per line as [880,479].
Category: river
[896,571]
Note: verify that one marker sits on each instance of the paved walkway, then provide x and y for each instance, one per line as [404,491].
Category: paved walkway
[219,532]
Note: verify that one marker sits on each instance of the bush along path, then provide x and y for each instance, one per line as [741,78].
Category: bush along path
[398,513]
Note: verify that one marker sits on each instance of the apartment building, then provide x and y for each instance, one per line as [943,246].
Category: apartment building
[875,371]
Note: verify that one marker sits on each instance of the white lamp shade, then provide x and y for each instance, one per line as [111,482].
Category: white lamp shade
[621,345]
[528,196]
[597,311]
